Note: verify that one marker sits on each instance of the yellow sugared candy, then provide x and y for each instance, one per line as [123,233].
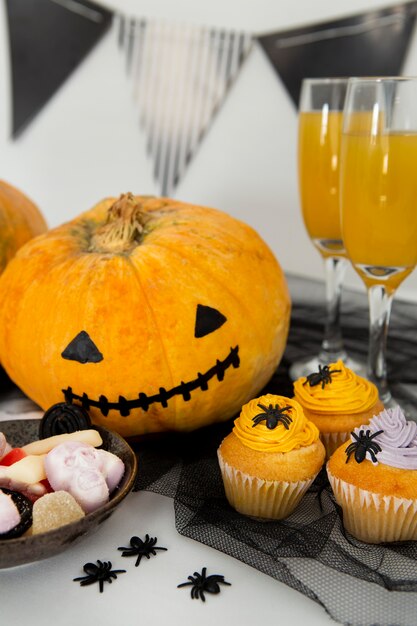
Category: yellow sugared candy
[43,446]
[54,510]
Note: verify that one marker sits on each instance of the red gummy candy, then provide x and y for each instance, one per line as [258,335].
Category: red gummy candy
[15,454]
[45,483]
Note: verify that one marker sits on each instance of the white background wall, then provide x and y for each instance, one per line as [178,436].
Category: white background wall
[86,143]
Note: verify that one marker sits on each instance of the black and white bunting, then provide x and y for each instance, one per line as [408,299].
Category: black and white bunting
[181,75]
[48,39]
[373,43]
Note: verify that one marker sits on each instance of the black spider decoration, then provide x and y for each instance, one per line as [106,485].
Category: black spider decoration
[362,445]
[101,573]
[141,548]
[273,416]
[323,376]
[201,584]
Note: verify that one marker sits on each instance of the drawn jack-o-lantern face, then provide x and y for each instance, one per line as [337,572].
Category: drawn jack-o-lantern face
[83,350]
[204,364]
[171,331]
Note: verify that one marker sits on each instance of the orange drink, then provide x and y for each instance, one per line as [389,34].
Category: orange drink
[319,134]
[379,192]
[318,165]
[378,183]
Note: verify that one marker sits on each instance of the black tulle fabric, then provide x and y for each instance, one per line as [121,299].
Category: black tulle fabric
[356,583]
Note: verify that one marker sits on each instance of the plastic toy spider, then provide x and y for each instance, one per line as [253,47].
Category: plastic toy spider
[323,376]
[362,445]
[141,548]
[201,584]
[273,416]
[101,573]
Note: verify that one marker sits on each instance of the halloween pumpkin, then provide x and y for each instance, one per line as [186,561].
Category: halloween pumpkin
[20,220]
[152,314]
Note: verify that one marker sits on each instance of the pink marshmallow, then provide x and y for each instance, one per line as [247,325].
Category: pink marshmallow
[4,446]
[112,468]
[9,514]
[89,475]
[64,459]
[88,487]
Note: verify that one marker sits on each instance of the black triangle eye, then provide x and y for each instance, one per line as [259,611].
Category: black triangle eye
[207,320]
[82,349]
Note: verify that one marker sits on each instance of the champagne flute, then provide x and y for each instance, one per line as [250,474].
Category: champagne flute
[378,199]
[319,132]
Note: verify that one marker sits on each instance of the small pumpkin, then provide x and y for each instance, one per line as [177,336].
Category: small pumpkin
[152,314]
[20,220]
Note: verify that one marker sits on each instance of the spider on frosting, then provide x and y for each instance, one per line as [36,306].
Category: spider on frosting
[273,416]
[323,376]
[364,443]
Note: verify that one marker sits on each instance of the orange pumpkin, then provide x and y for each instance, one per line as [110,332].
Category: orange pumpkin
[20,220]
[153,314]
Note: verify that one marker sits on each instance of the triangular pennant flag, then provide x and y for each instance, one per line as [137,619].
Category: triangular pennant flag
[181,76]
[371,44]
[48,40]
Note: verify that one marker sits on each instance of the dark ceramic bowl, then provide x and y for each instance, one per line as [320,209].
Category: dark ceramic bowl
[34,548]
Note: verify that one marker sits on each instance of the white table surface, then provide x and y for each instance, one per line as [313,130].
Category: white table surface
[44,592]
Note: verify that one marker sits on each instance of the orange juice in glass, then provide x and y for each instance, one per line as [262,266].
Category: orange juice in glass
[318,166]
[379,199]
[319,132]
[380,227]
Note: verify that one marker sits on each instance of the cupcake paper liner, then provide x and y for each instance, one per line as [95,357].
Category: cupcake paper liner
[332,441]
[262,499]
[372,517]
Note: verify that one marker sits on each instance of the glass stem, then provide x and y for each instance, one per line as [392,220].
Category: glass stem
[332,345]
[380,301]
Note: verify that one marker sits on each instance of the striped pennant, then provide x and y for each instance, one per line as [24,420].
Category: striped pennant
[181,76]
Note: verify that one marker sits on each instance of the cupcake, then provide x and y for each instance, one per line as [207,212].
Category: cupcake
[337,400]
[270,458]
[374,479]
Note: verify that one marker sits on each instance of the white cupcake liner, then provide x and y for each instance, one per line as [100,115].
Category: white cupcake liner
[262,499]
[372,517]
[332,441]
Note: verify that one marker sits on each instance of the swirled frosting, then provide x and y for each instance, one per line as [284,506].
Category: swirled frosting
[300,431]
[398,441]
[345,393]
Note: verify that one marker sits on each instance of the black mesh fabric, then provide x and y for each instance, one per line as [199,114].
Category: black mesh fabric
[356,583]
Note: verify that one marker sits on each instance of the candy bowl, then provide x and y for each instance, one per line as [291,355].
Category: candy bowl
[31,548]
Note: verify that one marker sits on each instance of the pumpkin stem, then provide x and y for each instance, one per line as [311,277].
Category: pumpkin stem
[123,228]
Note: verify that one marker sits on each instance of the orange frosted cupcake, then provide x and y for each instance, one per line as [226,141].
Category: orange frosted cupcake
[374,479]
[270,458]
[337,400]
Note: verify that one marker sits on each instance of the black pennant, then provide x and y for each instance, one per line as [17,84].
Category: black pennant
[370,44]
[48,40]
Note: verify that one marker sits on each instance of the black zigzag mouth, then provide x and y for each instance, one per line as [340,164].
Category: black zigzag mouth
[143,401]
